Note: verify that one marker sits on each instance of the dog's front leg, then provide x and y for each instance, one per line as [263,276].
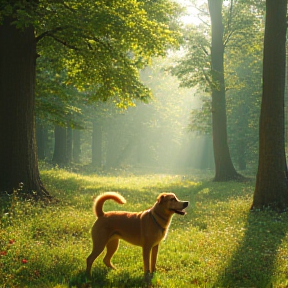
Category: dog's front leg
[146,258]
[154,258]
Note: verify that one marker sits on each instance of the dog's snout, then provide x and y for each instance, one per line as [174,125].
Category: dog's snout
[185,204]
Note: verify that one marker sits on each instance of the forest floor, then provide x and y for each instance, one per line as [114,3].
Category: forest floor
[218,243]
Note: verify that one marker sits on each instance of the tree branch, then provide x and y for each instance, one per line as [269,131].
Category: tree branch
[69,8]
[200,10]
[204,22]
[227,38]
[63,42]
[230,15]
[50,32]
[207,78]
[229,24]
[206,53]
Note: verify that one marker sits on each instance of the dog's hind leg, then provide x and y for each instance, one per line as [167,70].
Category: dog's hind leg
[98,247]
[112,247]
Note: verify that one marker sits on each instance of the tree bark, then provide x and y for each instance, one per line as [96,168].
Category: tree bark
[271,187]
[224,169]
[18,151]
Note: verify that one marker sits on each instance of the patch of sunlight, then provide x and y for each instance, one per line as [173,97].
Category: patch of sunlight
[204,191]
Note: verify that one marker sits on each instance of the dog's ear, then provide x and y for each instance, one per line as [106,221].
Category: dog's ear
[160,198]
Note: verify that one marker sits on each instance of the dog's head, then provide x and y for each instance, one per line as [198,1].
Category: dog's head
[170,204]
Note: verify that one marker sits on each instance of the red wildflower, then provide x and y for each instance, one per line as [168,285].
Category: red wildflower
[11,241]
[24,261]
[3,253]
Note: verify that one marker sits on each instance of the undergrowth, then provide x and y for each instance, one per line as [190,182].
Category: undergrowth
[218,243]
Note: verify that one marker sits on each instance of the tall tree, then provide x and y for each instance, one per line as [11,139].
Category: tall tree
[271,188]
[18,157]
[203,67]
[243,77]
[224,169]
[100,42]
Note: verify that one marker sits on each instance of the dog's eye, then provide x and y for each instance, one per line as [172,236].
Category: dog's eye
[173,199]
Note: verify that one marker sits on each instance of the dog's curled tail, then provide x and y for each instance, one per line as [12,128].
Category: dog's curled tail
[99,201]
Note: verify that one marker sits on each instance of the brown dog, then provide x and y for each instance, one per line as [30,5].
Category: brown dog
[145,229]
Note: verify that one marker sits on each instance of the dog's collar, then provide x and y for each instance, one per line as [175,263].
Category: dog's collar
[155,220]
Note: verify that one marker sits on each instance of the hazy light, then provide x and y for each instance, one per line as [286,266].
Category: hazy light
[192,12]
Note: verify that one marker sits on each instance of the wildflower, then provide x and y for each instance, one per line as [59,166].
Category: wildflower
[3,253]
[24,261]
[11,241]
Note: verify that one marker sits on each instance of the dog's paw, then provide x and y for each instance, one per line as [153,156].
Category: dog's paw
[148,278]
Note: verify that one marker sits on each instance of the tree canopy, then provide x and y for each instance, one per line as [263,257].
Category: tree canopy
[100,43]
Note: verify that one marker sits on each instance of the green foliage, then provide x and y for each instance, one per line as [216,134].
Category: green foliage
[104,43]
[57,101]
[194,68]
[218,243]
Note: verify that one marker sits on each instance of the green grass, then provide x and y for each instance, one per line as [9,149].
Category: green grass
[218,243]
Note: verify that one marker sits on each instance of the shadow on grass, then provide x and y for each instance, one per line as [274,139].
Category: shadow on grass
[253,263]
[100,279]
[80,280]
[223,191]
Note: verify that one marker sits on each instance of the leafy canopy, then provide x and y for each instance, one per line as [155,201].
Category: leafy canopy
[101,43]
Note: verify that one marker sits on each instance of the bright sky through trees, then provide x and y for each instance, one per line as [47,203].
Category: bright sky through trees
[191,13]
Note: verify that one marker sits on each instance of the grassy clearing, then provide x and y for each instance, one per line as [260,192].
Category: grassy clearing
[219,243]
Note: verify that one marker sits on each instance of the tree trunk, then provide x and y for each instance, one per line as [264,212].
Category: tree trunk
[60,148]
[224,169]
[18,151]
[97,144]
[271,183]
[76,146]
